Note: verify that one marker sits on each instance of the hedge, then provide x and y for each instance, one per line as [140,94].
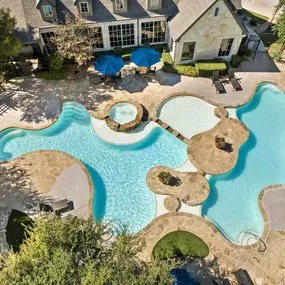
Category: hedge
[205,69]
[187,70]
[236,60]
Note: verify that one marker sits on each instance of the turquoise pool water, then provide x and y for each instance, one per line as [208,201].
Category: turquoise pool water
[232,203]
[118,171]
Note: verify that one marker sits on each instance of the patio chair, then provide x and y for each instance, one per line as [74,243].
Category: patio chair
[217,82]
[234,81]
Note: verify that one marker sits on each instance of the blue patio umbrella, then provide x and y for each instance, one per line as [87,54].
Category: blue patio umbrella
[108,64]
[145,57]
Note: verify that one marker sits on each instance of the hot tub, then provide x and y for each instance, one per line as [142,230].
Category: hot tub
[123,116]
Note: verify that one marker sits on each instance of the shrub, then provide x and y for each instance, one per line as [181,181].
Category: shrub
[253,22]
[48,75]
[55,63]
[118,50]
[205,69]
[276,56]
[236,60]
[180,243]
[187,70]
[240,12]
[248,52]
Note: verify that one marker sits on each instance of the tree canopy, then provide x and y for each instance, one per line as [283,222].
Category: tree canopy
[75,39]
[74,252]
[9,44]
[279,28]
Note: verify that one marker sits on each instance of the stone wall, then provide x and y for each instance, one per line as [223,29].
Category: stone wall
[208,33]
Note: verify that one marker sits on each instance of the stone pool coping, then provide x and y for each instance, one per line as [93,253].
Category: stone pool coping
[122,127]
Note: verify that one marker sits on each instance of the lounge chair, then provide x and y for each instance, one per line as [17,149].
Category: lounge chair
[217,82]
[57,207]
[234,81]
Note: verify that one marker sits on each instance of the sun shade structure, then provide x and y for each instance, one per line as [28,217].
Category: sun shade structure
[108,64]
[145,57]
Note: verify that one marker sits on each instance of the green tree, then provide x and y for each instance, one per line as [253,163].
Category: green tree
[277,8]
[75,40]
[75,252]
[279,29]
[9,44]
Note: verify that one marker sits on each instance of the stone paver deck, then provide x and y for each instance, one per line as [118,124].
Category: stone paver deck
[204,154]
[194,189]
[266,267]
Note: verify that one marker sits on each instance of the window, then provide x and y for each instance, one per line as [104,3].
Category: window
[216,12]
[153,32]
[47,39]
[188,51]
[84,7]
[154,3]
[226,47]
[119,4]
[96,38]
[122,35]
[47,10]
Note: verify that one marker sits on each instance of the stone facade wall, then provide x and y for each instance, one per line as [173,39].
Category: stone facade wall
[208,33]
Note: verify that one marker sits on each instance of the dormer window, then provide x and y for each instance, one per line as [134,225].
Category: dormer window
[47,10]
[84,7]
[154,3]
[119,4]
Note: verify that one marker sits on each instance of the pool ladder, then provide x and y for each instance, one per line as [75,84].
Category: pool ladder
[251,235]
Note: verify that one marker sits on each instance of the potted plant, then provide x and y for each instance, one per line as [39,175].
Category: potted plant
[167,179]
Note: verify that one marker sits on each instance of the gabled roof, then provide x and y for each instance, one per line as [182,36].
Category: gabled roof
[189,12]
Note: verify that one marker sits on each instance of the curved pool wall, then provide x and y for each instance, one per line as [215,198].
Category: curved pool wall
[188,115]
[233,201]
[118,171]
[123,112]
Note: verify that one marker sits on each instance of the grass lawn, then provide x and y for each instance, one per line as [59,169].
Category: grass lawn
[15,231]
[180,243]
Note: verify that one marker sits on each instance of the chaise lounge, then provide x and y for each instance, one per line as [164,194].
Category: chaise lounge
[234,81]
[217,82]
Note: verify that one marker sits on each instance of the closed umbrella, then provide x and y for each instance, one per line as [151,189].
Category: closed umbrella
[145,57]
[108,64]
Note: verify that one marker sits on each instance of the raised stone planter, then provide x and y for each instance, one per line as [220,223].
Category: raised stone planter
[193,190]
[204,154]
[115,126]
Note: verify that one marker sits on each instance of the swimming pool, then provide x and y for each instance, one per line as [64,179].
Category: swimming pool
[118,171]
[232,203]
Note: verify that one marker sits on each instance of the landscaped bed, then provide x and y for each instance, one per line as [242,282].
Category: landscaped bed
[179,244]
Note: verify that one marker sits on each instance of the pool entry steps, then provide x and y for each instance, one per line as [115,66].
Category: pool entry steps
[169,129]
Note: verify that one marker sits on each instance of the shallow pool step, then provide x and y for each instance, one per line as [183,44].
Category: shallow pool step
[170,129]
